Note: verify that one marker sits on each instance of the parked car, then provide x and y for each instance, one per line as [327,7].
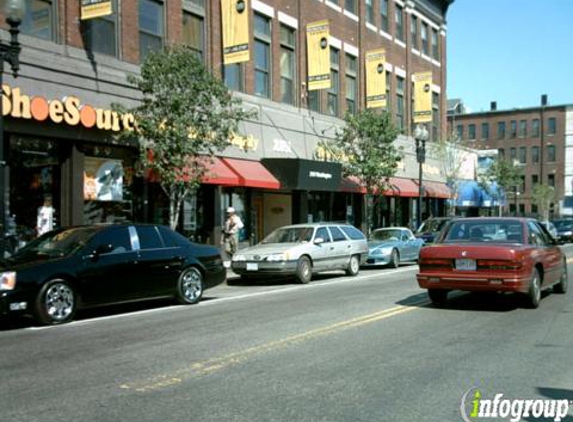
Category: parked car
[81,267]
[564,229]
[550,228]
[493,254]
[302,250]
[390,246]
[431,227]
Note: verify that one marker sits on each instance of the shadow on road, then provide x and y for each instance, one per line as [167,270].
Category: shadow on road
[475,301]
[278,281]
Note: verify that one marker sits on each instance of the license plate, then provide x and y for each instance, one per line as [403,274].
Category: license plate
[252,266]
[466,264]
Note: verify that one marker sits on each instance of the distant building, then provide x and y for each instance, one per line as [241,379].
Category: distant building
[538,138]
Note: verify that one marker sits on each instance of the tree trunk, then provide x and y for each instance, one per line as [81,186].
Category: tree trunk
[176,196]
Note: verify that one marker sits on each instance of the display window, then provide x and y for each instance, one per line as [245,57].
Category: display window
[35,186]
[108,184]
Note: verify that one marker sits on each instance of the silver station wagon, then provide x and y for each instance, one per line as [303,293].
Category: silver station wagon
[302,250]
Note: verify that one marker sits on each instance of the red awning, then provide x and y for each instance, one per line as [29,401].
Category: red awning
[252,174]
[437,190]
[351,185]
[403,187]
[219,174]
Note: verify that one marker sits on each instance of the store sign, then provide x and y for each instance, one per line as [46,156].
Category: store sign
[69,110]
[92,9]
[103,179]
[300,174]
[319,175]
[281,145]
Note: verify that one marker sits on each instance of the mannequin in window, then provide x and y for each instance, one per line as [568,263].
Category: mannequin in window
[45,221]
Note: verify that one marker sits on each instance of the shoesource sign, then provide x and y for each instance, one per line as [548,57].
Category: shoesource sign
[68,111]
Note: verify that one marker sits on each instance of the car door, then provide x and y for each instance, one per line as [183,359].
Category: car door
[159,264]
[546,252]
[108,271]
[342,247]
[321,253]
[412,244]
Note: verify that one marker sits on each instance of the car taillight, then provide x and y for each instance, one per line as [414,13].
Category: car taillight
[435,262]
[498,264]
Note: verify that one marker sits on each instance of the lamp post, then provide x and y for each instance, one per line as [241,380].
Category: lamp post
[14,11]
[421,135]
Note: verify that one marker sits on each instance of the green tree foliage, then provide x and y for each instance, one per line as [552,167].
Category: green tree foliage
[185,117]
[365,147]
[543,196]
[506,174]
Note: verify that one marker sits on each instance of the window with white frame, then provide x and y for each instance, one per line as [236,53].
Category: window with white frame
[262,56]
[151,27]
[287,59]
[334,90]
[351,83]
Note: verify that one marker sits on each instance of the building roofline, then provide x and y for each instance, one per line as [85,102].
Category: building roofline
[513,110]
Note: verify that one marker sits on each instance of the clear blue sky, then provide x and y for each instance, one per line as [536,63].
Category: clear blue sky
[510,51]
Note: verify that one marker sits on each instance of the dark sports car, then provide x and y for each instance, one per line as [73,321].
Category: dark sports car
[81,267]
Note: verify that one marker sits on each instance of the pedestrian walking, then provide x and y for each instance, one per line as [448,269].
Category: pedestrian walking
[230,237]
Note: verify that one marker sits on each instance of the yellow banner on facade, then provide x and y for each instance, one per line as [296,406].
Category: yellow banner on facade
[422,97]
[318,53]
[235,23]
[92,9]
[375,79]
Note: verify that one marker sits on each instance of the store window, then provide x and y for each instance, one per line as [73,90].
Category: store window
[39,20]
[35,186]
[108,184]
[151,31]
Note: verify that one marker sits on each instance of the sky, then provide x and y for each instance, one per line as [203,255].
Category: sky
[510,51]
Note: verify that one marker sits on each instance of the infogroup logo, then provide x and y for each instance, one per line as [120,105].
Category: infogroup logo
[475,407]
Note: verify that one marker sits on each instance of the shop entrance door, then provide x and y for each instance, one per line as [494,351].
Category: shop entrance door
[277,211]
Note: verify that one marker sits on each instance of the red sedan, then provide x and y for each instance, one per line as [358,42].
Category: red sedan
[493,254]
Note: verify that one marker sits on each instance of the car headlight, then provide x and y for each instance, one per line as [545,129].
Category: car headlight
[7,280]
[385,251]
[278,257]
[239,258]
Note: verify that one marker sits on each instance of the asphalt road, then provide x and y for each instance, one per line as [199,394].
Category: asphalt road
[368,348]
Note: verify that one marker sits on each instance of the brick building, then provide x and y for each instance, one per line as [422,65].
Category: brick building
[538,138]
[59,126]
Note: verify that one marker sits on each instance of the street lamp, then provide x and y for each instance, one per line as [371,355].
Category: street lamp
[14,11]
[421,135]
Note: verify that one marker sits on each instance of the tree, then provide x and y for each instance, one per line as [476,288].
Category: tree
[501,177]
[186,115]
[543,196]
[365,147]
[451,156]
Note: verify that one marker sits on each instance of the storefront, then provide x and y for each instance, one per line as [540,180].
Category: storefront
[65,166]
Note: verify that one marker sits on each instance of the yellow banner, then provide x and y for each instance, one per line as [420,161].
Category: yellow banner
[92,9]
[375,79]
[318,52]
[422,97]
[235,23]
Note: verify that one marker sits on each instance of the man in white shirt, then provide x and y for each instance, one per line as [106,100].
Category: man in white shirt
[45,221]
[231,228]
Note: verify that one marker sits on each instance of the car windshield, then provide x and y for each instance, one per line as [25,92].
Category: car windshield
[563,224]
[494,231]
[382,235]
[432,225]
[61,242]
[290,235]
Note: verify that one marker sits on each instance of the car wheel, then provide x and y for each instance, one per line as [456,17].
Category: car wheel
[190,286]
[55,303]
[439,297]
[303,270]
[394,259]
[353,266]
[534,294]
[563,284]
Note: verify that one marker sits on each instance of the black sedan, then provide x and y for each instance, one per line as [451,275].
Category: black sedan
[80,267]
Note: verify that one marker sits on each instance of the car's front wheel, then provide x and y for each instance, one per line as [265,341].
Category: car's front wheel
[303,270]
[563,284]
[438,297]
[394,259]
[190,286]
[55,303]
[534,293]
[353,265]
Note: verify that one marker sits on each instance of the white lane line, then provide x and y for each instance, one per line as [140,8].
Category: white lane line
[217,301]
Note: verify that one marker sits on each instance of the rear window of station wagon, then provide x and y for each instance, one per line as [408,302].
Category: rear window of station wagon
[353,233]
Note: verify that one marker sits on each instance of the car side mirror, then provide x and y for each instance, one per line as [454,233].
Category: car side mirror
[318,240]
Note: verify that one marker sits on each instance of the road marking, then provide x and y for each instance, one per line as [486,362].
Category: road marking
[218,301]
[207,367]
